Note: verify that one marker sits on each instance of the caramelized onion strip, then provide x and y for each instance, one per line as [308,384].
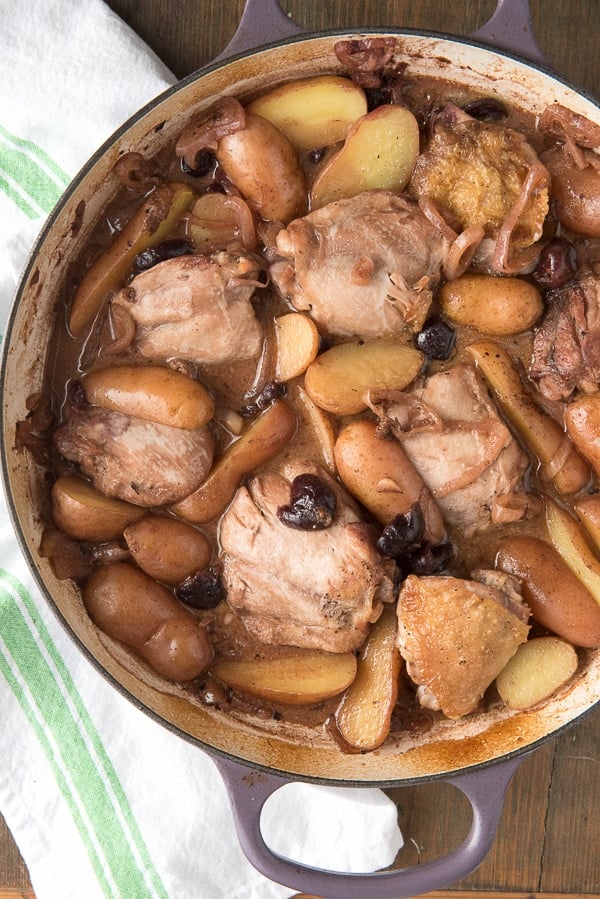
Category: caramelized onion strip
[537,177]
[461,252]
[224,117]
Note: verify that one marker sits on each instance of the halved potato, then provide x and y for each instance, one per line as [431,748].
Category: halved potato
[379,152]
[300,679]
[364,714]
[297,340]
[536,671]
[341,377]
[86,514]
[313,112]
[319,426]
[568,538]
[151,392]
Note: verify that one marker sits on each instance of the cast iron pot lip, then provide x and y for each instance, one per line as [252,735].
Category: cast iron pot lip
[544,69]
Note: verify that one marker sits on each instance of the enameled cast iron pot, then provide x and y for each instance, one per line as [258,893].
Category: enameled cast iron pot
[479,755]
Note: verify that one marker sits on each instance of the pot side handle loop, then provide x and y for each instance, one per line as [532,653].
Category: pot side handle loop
[484,788]
[510,28]
[262,22]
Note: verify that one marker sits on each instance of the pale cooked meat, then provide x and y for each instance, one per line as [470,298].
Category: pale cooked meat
[139,461]
[566,346]
[312,589]
[453,435]
[363,266]
[474,173]
[457,635]
[196,308]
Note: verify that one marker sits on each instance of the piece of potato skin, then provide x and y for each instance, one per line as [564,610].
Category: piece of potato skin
[537,670]
[82,512]
[264,167]
[167,549]
[557,598]
[132,608]
[364,714]
[151,392]
[258,444]
[340,378]
[495,306]
[290,680]
[312,112]
[378,472]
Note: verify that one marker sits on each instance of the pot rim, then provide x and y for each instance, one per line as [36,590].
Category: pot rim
[38,245]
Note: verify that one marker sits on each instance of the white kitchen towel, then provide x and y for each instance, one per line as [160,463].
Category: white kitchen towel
[102,800]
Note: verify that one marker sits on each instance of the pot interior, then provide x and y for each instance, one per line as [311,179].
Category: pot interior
[449,746]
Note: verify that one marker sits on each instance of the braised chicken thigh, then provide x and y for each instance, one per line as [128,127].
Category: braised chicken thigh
[139,461]
[196,308]
[309,588]
[376,250]
[450,429]
[457,635]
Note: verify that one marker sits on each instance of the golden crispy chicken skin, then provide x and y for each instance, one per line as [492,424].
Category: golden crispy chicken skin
[457,635]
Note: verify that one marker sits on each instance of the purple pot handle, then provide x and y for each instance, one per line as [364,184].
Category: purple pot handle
[249,789]
[511,28]
[263,21]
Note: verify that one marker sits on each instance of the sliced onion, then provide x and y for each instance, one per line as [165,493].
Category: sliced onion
[462,251]
[218,221]
[435,217]
[537,177]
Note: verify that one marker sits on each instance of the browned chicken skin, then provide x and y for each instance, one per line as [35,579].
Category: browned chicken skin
[196,308]
[457,635]
[139,461]
[364,266]
[452,433]
[314,589]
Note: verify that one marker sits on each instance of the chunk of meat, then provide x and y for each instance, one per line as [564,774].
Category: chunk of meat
[316,589]
[480,173]
[362,266]
[457,635]
[139,461]
[566,346]
[452,433]
[196,308]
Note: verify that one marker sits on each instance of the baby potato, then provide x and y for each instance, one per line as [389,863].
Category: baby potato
[495,306]
[167,549]
[131,607]
[297,341]
[264,167]
[318,425]
[364,714]
[379,152]
[260,442]
[312,112]
[82,512]
[557,598]
[582,421]
[536,671]
[575,191]
[378,472]
[151,392]
[299,679]
[340,378]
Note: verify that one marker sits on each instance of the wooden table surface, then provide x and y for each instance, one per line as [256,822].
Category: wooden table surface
[548,840]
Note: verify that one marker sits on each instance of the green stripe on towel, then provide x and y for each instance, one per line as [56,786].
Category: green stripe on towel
[28,176]
[42,684]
